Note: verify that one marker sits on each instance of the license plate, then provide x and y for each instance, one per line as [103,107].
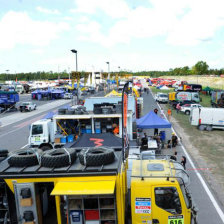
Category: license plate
[37,139]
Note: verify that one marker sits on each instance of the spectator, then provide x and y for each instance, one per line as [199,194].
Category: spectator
[183,162]
[174,140]
[156,131]
[169,112]
[174,157]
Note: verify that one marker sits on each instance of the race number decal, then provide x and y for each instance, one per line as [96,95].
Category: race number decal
[176,219]
[143,205]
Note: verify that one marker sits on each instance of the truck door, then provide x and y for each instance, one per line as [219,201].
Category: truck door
[166,206]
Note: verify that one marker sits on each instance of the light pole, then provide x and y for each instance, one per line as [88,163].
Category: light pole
[108,63]
[75,52]
[76,65]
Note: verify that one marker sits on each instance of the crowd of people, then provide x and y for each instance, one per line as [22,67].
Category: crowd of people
[171,143]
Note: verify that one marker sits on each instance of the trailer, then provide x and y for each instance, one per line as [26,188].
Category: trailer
[206,118]
[217,98]
[93,185]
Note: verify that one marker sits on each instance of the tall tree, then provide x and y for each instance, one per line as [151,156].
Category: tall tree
[200,68]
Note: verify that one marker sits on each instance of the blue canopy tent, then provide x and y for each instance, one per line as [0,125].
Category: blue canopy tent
[151,120]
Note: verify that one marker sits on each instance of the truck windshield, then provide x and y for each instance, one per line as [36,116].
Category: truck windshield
[37,129]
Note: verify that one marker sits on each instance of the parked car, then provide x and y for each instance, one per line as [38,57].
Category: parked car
[68,96]
[178,105]
[186,108]
[162,98]
[27,106]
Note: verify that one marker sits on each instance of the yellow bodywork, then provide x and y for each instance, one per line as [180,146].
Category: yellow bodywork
[84,188]
[172,96]
[143,184]
[92,184]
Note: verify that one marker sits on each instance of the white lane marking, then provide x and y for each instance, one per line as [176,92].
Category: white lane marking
[24,146]
[209,193]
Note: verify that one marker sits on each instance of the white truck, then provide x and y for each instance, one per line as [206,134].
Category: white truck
[188,107]
[207,118]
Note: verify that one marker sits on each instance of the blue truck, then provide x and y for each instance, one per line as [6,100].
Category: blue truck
[8,100]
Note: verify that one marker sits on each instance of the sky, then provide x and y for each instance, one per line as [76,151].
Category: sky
[133,35]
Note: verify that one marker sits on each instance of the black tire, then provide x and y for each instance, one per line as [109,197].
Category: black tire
[58,158]
[4,151]
[96,156]
[187,112]
[35,108]
[201,127]
[61,111]
[45,148]
[24,158]
[30,109]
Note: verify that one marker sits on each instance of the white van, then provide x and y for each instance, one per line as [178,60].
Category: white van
[207,118]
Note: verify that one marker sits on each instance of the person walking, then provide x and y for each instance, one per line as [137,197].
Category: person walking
[156,130]
[169,112]
[183,162]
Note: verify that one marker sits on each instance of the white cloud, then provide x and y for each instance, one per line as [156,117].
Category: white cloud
[186,22]
[115,9]
[38,51]
[19,28]
[47,11]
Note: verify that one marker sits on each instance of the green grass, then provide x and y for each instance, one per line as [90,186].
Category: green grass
[206,100]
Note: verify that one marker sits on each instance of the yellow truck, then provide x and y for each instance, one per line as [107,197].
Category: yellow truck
[93,186]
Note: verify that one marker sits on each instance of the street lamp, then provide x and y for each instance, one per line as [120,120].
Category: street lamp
[75,52]
[108,63]
[76,63]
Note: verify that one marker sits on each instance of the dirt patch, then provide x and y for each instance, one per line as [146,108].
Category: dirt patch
[207,157]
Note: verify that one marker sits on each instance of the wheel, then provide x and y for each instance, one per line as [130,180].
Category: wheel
[187,112]
[209,128]
[96,156]
[45,148]
[35,107]
[58,157]
[24,158]
[202,127]
[30,109]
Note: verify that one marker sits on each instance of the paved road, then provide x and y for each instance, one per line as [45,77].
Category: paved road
[15,130]
[26,98]
[207,213]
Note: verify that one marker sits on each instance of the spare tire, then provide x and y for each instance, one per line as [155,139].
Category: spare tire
[61,111]
[96,156]
[58,158]
[24,158]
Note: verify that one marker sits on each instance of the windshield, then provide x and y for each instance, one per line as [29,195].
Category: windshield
[37,129]
[163,95]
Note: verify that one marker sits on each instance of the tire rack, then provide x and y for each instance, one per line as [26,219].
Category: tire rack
[103,209]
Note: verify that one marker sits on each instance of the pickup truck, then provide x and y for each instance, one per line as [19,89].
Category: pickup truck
[188,107]
[27,106]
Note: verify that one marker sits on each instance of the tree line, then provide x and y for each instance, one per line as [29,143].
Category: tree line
[200,68]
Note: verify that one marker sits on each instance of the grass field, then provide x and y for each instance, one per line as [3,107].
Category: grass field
[215,82]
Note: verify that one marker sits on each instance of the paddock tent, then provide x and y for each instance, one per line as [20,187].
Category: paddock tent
[151,120]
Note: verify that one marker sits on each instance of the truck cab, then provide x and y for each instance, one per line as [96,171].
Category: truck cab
[159,193]
[41,134]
